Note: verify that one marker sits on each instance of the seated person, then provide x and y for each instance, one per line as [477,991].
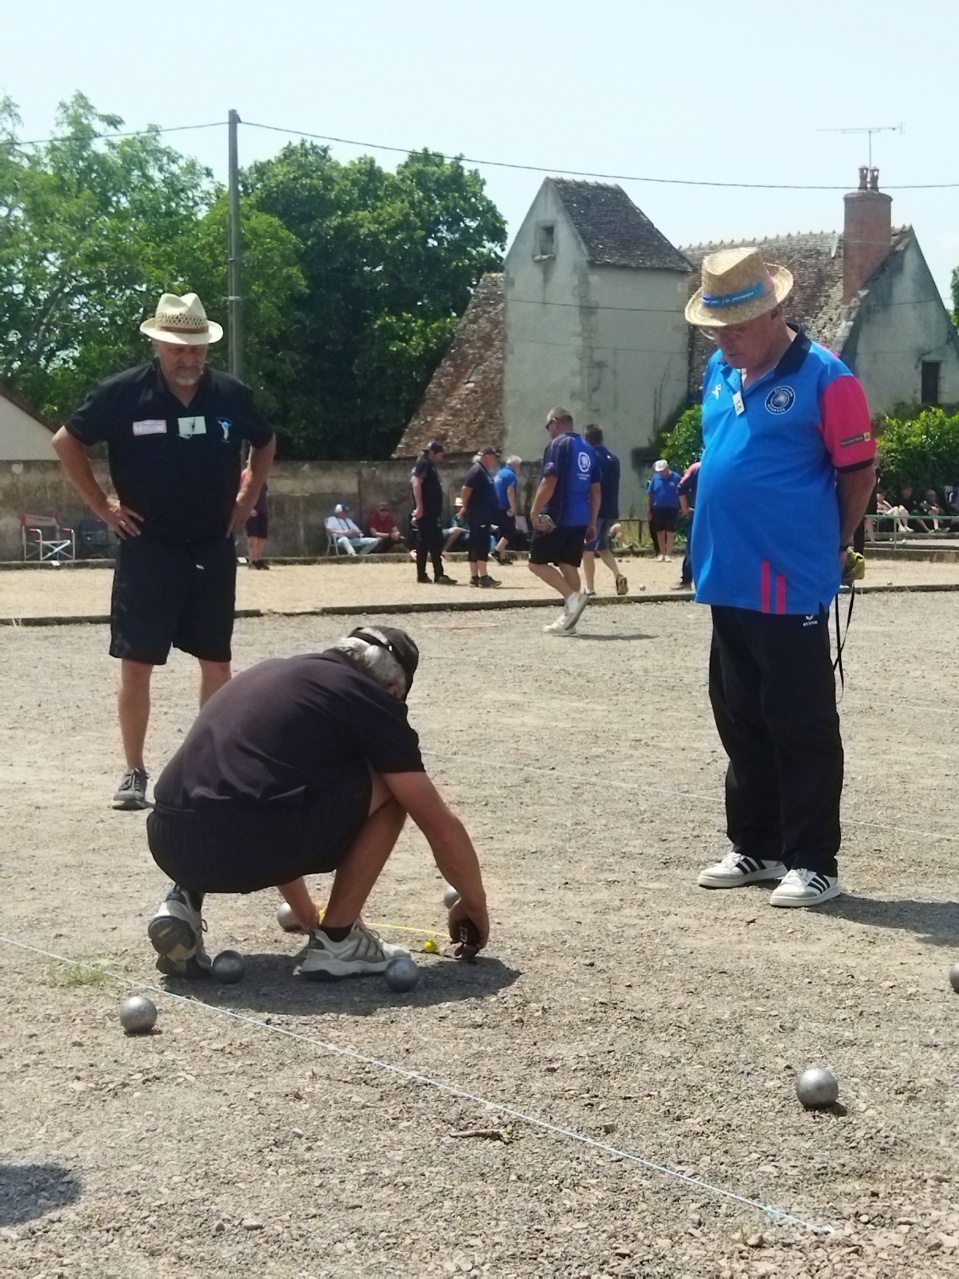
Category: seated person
[300,766]
[930,506]
[884,507]
[911,503]
[348,535]
[383,526]
[457,530]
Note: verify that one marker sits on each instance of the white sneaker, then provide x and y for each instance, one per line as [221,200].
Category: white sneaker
[667,559]
[363,951]
[805,888]
[559,626]
[176,933]
[735,870]
[574,608]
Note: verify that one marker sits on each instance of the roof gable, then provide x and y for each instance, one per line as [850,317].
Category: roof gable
[613,230]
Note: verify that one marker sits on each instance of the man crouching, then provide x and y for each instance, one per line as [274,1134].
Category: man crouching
[300,766]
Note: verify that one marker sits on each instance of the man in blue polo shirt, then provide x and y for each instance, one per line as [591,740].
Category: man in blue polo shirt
[787,474]
[609,469]
[563,516]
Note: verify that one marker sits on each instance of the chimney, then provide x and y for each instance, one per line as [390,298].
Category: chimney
[867,234]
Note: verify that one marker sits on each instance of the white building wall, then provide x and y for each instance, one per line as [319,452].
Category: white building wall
[902,322]
[608,343]
[22,437]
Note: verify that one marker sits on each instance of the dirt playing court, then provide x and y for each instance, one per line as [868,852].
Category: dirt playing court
[505,1118]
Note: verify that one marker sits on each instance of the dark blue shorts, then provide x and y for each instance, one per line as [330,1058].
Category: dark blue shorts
[479,542]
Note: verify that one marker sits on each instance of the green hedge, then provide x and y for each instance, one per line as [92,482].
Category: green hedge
[684,443]
[922,451]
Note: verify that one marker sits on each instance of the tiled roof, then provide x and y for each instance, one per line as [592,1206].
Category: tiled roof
[463,404]
[613,230]
[815,259]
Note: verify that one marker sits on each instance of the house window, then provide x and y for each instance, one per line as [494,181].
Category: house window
[545,241]
[929,381]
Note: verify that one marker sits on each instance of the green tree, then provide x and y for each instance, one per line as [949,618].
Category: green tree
[684,443]
[921,451]
[389,260]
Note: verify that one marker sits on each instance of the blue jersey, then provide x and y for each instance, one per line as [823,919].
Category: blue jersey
[766,533]
[574,464]
[608,482]
[662,490]
[504,479]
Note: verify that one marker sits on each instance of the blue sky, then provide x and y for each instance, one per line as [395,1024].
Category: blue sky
[696,90]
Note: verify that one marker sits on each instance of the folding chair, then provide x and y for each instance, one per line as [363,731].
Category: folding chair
[96,540]
[44,538]
[333,543]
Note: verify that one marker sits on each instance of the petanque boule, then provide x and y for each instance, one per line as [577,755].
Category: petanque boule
[228,967]
[287,920]
[138,1015]
[450,898]
[954,977]
[817,1088]
[402,974]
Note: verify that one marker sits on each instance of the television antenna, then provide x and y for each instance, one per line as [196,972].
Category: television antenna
[870,129]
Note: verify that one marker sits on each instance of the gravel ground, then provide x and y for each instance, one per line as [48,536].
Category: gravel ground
[274,1129]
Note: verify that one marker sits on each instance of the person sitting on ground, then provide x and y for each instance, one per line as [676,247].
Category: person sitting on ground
[349,536]
[382,525]
[302,766]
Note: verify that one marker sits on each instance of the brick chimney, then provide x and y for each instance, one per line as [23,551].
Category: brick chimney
[867,235]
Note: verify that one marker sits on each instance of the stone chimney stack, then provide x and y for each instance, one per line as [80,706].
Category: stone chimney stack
[867,235]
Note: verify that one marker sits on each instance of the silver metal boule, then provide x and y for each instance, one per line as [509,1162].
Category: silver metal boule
[228,967]
[138,1015]
[450,898]
[287,920]
[954,977]
[402,974]
[817,1088]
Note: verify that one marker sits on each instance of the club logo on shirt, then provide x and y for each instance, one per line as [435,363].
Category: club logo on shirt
[717,390]
[584,463]
[224,424]
[190,426]
[780,399]
[150,426]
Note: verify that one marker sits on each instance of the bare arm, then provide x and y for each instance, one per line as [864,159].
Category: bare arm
[254,477]
[546,489]
[854,489]
[595,497]
[465,494]
[452,847]
[76,462]
[511,499]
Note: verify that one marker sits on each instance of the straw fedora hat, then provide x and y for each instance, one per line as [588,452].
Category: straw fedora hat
[737,286]
[181,321]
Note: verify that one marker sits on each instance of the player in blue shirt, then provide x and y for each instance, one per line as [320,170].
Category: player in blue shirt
[787,474]
[506,480]
[608,514]
[663,508]
[563,516]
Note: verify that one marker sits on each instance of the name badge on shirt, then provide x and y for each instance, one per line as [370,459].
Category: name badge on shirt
[738,404]
[190,426]
[150,426]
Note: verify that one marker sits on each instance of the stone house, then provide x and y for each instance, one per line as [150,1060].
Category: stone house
[24,435]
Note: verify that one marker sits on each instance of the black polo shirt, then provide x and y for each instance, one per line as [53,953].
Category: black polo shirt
[425,469]
[276,732]
[176,465]
[483,505]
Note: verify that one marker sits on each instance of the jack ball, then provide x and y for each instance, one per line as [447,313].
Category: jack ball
[138,1015]
[817,1088]
[431,947]
[450,898]
[228,967]
[402,974]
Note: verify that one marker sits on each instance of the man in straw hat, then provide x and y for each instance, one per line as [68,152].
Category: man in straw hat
[175,431]
[787,473]
[306,765]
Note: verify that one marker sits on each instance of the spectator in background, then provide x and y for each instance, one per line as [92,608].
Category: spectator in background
[898,513]
[257,528]
[427,517]
[608,514]
[479,510]
[952,498]
[382,525]
[506,481]
[664,508]
[687,504]
[930,506]
[348,535]
[457,530]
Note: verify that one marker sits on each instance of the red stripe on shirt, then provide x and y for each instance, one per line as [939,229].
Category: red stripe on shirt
[780,593]
[766,606]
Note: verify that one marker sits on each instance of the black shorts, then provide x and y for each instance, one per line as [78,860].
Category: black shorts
[507,526]
[258,525]
[171,593]
[242,848]
[664,518]
[478,546]
[562,545]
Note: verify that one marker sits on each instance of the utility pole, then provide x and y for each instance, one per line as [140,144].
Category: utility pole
[234,297]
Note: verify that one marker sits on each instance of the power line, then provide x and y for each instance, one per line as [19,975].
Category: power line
[100,137]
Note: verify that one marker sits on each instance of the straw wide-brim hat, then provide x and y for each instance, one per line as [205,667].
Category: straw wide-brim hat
[737,286]
[182,322]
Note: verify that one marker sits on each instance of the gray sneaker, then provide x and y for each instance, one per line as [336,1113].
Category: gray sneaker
[176,933]
[132,791]
[363,951]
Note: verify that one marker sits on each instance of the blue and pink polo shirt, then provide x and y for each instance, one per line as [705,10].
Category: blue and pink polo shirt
[766,533]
